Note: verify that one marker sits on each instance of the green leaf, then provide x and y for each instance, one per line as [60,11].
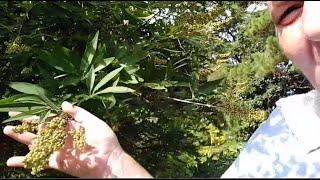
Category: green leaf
[108,98]
[99,54]
[134,58]
[21,101]
[116,89]
[89,53]
[81,98]
[132,18]
[68,81]
[90,79]
[44,116]
[48,81]
[107,78]
[165,84]
[59,59]
[69,57]
[139,4]
[175,84]
[27,88]
[115,83]
[19,109]
[11,99]
[25,114]
[49,102]
[209,87]
[132,80]
[104,63]
[155,86]
[131,69]
[31,99]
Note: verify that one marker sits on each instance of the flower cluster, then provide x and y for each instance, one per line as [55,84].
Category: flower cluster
[78,138]
[29,126]
[51,138]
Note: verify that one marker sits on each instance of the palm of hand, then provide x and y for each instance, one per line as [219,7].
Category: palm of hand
[101,142]
[92,161]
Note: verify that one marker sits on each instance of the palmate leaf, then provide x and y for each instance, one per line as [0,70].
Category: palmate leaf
[99,60]
[11,99]
[107,78]
[33,89]
[20,102]
[25,114]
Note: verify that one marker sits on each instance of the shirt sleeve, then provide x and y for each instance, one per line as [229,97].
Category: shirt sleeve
[255,160]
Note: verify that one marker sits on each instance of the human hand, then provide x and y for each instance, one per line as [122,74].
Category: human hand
[99,158]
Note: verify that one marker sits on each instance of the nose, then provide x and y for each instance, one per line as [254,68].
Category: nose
[311,20]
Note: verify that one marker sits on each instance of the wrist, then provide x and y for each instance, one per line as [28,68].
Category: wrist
[114,162]
[122,165]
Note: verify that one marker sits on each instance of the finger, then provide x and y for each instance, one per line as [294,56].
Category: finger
[30,119]
[86,119]
[35,117]
[15,161]
[80,115]
[68,108]
[25,138]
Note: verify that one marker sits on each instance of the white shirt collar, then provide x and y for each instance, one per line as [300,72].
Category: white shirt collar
[302,115]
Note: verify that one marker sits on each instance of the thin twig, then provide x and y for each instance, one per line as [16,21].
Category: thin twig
[190,102]
[180,45]
[170,50]
[181,60]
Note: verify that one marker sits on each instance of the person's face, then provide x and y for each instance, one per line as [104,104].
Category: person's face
[298,30]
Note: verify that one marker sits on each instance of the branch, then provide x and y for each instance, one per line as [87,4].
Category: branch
[190,102]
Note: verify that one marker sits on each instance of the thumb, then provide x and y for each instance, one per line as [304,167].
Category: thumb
[90,122]
[68,108]
[80,115]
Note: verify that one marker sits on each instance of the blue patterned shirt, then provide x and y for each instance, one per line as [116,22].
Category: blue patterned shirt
[286,145]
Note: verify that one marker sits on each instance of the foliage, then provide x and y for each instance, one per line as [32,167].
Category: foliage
[182,83]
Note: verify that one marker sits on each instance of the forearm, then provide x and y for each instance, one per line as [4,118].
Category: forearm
[123,165]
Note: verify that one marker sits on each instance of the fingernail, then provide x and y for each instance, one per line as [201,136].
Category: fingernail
[7,130]
[9,162]
[68,108]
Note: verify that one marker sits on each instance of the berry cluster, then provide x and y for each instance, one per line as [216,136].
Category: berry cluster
[78,138]
[29,126]
[51,138]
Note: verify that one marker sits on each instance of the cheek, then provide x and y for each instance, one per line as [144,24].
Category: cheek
[293,43]
[299,50]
